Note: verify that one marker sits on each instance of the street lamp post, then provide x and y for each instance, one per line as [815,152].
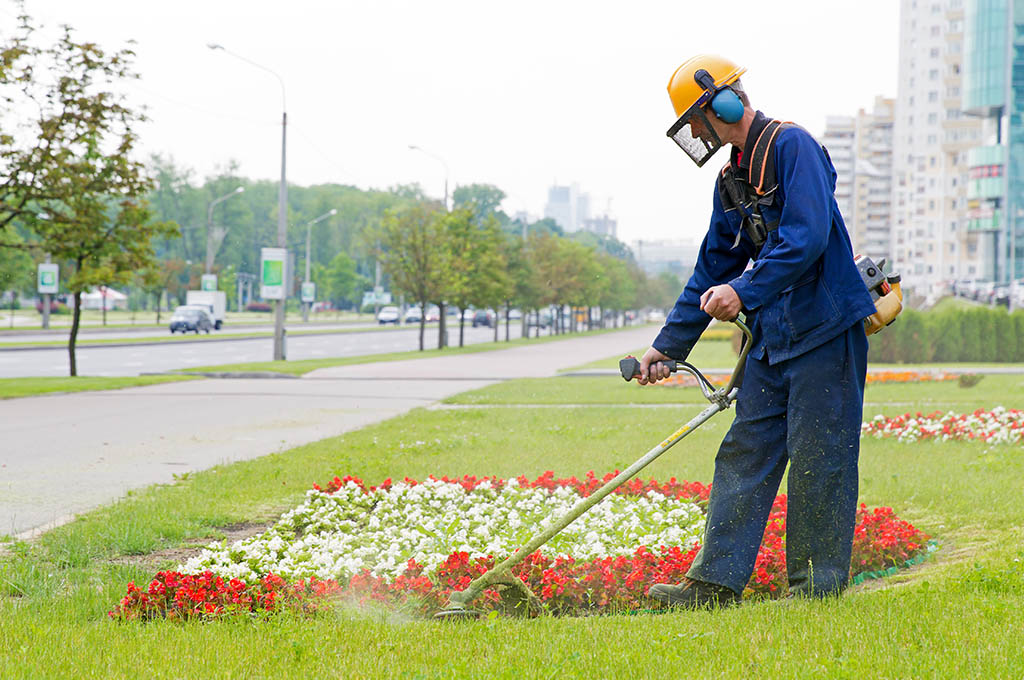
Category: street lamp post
[309,230]
[442,333]
[211,250]
[282,202]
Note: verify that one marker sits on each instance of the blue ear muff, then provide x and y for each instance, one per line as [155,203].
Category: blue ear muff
[727,106]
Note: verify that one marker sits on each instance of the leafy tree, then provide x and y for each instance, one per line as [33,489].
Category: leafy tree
[340,281]
[482,199]
[74,184]
[620,289]
[16,268]
[413,253]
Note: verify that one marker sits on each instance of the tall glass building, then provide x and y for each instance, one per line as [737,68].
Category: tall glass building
[994,91]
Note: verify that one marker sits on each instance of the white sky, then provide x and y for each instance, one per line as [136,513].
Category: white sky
[519,95]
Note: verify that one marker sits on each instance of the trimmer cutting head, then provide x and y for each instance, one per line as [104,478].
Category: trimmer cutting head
[458,612]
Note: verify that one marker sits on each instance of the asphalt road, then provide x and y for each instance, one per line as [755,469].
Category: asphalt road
[65,454]
[162,332]
[133,360]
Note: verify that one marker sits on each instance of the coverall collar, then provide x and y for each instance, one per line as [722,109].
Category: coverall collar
[741,158]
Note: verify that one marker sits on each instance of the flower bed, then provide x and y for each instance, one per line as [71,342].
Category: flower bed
[683,379]
[412,543]
[998,426]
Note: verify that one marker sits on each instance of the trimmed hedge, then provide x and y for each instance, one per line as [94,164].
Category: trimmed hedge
[981,334]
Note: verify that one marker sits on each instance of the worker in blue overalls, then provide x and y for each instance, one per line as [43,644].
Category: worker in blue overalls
[803,388]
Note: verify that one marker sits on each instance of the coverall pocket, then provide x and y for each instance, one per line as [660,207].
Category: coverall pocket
[808,305]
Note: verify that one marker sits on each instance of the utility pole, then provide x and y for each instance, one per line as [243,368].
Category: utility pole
[282,206]
[309,231]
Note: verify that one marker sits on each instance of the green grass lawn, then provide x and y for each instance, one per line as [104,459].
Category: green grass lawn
[958,615]
[32,387]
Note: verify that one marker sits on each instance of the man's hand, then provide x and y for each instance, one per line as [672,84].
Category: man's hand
[721,302]
[651,368]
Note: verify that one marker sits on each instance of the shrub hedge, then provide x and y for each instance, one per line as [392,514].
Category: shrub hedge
[981,334]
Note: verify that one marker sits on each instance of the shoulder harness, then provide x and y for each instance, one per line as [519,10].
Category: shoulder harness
[749,196]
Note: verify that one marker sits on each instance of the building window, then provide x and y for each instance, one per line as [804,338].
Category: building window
[982,171]
[933,96]
[933,74]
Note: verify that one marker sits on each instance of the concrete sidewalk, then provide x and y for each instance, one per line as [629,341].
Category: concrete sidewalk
[66,454]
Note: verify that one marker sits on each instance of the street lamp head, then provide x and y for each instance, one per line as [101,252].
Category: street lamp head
[334,211]
[214,46]
[239,190]
[414,147]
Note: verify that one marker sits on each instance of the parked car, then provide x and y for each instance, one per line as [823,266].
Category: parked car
[483,317]
[655,316]
[542,320]
[514,315]
[433,313]
[186,318]
[413,315]
[467,316]
[388,314]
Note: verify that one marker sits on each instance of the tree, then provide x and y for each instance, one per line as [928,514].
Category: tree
[620,291]
[476,273]
[16,270]
[340,282]
[413,253]
[75,184]
[482,199]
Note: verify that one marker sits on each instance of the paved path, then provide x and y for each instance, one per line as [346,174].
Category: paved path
[66,454]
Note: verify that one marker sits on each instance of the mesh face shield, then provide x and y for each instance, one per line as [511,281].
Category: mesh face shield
[694,135]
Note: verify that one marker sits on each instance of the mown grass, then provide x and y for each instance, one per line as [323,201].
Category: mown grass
[11,388]
[958,615]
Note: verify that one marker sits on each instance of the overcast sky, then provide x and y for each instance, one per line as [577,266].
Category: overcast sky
[520,95]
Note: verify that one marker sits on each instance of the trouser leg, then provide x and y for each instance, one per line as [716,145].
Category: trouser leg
[825,409]
[748,468]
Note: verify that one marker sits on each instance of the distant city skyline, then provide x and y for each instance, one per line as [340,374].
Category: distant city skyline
[570,91]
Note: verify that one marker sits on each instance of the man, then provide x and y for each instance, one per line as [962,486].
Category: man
[803,387]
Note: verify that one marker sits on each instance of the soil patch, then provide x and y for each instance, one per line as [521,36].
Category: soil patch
[171,557]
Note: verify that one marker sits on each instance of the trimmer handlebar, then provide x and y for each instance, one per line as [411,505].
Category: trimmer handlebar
[630,368]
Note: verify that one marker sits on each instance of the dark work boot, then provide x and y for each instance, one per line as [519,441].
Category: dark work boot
[691,594]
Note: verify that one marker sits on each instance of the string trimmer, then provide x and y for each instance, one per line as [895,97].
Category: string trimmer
[501,575]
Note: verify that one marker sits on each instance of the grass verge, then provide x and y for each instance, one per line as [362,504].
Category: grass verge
[959,615]
[11,388]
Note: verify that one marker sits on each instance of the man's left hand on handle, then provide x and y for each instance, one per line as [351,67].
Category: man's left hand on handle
[721,302]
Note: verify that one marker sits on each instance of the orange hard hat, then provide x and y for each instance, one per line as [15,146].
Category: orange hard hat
[685,91]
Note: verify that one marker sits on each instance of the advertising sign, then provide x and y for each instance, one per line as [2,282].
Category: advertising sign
[208,282]
[376,297]
[48,278]
[308,291]
[272,273]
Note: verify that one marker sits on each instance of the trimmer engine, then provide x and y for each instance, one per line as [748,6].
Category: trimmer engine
[885,292]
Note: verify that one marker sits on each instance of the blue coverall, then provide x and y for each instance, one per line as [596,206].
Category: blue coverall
[803,388]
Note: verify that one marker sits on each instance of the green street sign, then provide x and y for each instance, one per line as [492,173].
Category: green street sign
[272,273]
[208,282]
[308,291]
[47,280]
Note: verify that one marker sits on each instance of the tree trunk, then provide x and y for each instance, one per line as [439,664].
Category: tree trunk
[158,296]
[14,296]
[423,325]
[508,310]
[462,323]
[440,325]
[73,337]
[497,324]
